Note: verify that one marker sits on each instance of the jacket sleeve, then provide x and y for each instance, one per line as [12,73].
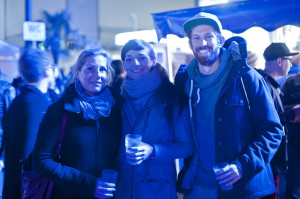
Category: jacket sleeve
[183,145]
[266,127]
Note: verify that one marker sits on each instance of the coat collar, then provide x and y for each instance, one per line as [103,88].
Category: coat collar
[238,69]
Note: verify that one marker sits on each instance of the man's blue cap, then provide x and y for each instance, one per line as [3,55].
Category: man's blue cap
[203,18]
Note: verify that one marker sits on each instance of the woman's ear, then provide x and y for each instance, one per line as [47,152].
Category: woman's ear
[76,74]
[153,61]
[152,57]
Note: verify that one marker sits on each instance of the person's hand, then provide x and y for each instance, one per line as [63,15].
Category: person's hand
[1,165]
[228,177]
[136,155]
[104,189]
[180,195]
[297,112]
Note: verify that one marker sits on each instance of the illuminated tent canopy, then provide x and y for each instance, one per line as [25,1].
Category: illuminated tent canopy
[8,51]
[9,55]
[236,17]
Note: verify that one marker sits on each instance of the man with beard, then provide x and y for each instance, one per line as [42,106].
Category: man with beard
[232,114]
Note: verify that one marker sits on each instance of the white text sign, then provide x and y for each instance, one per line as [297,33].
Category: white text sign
[34,31]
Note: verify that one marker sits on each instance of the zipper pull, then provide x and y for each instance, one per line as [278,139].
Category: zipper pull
[98,124]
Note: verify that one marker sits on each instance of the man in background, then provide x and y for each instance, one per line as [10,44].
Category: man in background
[119,75]
[278,62]
[293,70]
[24,116]
[291,102]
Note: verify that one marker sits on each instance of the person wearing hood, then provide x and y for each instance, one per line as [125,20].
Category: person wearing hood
[232,114]
[153,110]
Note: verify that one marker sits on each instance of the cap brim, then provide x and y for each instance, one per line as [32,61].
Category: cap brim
[189,25]
[292,54]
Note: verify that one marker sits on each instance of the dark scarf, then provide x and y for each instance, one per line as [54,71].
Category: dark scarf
[137,88]
[94,107]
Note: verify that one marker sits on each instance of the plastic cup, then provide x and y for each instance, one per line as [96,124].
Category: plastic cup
[109,175]
[132,140]
[224,166]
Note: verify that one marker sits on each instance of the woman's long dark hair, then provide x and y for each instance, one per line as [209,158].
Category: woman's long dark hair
[167,94]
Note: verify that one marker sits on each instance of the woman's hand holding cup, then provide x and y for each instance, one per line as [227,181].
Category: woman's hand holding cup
[136,155]
[136,150]
[104,189]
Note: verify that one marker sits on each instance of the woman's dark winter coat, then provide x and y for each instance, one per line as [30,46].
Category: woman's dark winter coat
[164,125]
[88,147]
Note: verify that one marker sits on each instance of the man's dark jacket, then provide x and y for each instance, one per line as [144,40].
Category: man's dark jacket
[247,133]
[20,132]
[279,161]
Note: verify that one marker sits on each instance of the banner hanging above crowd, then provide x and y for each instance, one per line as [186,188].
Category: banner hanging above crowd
[236,17]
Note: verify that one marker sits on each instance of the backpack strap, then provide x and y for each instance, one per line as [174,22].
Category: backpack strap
[61,135]
[181,77]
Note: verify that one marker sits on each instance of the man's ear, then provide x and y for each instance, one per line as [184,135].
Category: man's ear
[47,72]
[190,44]
[221,41]
[279,61]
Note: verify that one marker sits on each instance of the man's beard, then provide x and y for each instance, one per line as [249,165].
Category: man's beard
[210,58]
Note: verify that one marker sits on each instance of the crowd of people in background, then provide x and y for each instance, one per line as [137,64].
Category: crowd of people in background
[220,110]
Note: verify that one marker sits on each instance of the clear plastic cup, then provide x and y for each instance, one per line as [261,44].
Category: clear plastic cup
[132,140]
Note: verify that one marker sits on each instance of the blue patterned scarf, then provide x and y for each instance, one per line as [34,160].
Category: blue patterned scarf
[95,107]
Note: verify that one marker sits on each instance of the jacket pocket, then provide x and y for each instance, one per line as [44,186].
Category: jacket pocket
[236,99]
[157,188]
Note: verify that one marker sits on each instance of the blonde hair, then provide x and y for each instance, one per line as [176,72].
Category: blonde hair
[93,52]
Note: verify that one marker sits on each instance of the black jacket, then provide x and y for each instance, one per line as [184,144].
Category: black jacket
[88,147]
[279,161]
[291,90]
[20,131]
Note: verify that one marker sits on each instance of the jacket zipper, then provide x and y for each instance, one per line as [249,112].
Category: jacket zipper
[98,147]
